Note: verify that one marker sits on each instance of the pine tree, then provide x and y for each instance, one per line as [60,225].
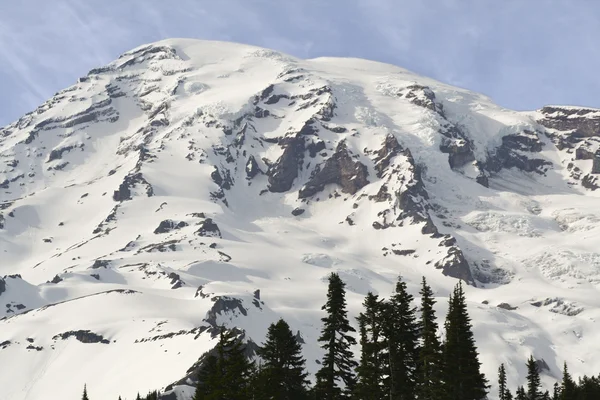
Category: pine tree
[568,389]
[463,379]
[430,352]
[284,368]
[556,391]
[85,395]
[228,375]
[521,395]
[338,364]
[545,395]
[370,370]
[235,368]
[209,380]
[402,335]
[502,389]
[533,380]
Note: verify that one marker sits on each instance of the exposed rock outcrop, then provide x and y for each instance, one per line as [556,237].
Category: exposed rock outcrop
[284,171]
[339,169]
[169,225]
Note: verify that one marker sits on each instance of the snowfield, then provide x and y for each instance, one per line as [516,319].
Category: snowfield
[190,184]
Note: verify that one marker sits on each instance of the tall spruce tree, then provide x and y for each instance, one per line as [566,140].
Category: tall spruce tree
[521,394]
[209,380]
[533,380]
[556,391]
[401,338]
[463,379]
[568,388]
[502,388]
[372,361]
[430,351]
[226,376]
[337,366]
[85,395]
[284,367]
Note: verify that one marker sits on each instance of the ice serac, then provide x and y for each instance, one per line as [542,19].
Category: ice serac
[191,185]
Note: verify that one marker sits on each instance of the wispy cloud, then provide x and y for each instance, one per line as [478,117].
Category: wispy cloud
[521,53]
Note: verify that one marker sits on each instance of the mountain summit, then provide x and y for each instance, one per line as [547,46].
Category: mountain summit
[190,184]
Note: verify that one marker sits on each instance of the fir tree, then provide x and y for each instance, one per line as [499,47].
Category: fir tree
[338,364]
[502,389]
[226,376]
[568,389]
[234,367]
[402,335]
[556,391]
[533,380]
[545,395]
[463,379]
[370,370]
[284,368]
[209,380]
[430,353]
[521,395]
[85,395]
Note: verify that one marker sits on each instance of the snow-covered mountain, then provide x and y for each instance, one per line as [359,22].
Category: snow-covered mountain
[191,183]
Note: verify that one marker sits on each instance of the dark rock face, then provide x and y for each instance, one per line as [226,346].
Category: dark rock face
[223,304]
[422,96]
[590,182]
[176,281]
[2,285]
[413,200]
[83,336]
[596,163]
[100,264]
[506,306]
[510,154]
[459,152]
[252,168]
[283,172]
[390,149]
[57,279]
[297,211]
[169,225]
[339,169]
[124,192]
[223,180]
[582,121]
[1,221]
[456,266]
[208,228]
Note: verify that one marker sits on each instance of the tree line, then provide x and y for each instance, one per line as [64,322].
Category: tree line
[401,357]
[586,388]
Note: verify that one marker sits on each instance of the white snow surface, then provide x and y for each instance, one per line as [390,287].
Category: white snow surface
[172,112]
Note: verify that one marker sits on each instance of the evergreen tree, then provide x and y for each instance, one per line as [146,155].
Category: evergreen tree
[430,352]
[338,364]
[533,380]
[463,379]
[228,375]
[370,370]
[545,395]
[284,368]
[401,338]
[233,365]
[521,395]
[568,389]
[209,380]
[556,392]
[85,395]
[502,389]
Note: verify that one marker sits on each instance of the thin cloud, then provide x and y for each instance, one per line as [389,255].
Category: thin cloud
[522,54]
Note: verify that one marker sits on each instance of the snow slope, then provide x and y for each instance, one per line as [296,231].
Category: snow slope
[146,205]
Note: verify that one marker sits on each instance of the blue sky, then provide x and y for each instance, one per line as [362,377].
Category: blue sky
[522,53]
